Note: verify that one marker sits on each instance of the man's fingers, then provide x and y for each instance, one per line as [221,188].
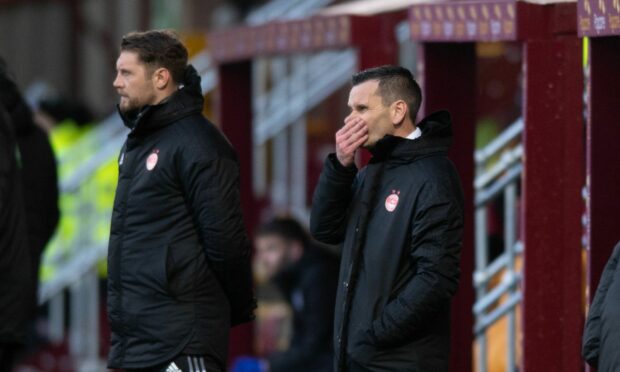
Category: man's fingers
[351,129]
[350,142]
[350,119]
[355,134]
[350,146]
[361,141]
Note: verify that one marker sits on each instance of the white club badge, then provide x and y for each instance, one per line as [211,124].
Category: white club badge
[151,161]
[391,202]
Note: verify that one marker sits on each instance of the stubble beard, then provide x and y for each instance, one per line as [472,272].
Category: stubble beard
[127,104]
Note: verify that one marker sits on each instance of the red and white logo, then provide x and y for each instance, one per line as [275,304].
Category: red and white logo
[151,161]
[391,202]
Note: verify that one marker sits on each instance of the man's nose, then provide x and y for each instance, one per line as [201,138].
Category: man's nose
[117,83]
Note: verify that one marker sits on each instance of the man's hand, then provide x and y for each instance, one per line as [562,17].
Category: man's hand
[349,138]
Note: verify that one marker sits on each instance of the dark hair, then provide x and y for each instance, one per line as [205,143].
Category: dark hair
[285,227]
[395,83]
[158,48]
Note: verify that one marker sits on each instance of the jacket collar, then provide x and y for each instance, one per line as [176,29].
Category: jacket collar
[187,100]
[436,139]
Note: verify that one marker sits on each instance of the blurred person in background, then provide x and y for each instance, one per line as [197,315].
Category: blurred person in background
[307,276]
[35,176]
[601,338]
[400,223]
[179,271]
[16,280]
[38,173]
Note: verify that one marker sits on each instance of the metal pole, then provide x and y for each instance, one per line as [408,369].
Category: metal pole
[510,211]
[481,263]
[56,330]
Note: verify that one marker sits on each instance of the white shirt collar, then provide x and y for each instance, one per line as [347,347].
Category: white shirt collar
[415,134]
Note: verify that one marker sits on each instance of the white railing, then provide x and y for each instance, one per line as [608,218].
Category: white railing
[285,9]
[497,281]
[313,78]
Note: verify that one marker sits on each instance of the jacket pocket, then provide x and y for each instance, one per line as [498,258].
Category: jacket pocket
[363,349]
[181,262]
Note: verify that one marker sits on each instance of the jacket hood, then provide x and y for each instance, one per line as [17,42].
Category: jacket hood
[436,139]
[187,100]
[14,103]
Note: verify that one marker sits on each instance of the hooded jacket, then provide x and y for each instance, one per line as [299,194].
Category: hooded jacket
[15,259]
[178,262]
[400,223]
[601,338]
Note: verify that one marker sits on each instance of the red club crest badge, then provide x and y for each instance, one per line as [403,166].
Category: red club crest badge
[391,202]
[151,161]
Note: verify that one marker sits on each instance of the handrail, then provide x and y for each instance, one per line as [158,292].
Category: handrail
[499,166]
[270,118]
[509,134]
[284,9]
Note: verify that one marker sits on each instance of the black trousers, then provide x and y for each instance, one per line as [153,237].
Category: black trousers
[186,363]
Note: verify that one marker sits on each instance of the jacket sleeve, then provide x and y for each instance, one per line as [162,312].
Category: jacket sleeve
[437,229]
[211,188]
[331,200]
[5,166]
[317,318]
[592,331]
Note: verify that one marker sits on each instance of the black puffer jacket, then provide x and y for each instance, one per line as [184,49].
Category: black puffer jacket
[15,260]
[601,339]
[400,223]
[39,178]
[179,268]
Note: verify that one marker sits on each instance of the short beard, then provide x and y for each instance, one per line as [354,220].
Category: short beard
[129,106]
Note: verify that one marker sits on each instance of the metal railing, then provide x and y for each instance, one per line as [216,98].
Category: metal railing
[285,9]
[497,280]
[285,90]
[311,80]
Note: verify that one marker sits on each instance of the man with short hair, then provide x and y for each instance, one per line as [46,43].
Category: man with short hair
[306,274]
[179,259]
[400,223]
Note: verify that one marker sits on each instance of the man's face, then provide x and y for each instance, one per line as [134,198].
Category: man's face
[133,82]
[272,254]
[366,104]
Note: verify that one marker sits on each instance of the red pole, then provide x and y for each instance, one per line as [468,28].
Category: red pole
[552,205]
[443,66]
[235,120]
[603,179]
[603,130]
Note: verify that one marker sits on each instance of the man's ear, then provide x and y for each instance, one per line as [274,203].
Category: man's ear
[399,112]
[162,78]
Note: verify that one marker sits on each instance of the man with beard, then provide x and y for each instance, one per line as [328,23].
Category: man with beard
[179,258]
